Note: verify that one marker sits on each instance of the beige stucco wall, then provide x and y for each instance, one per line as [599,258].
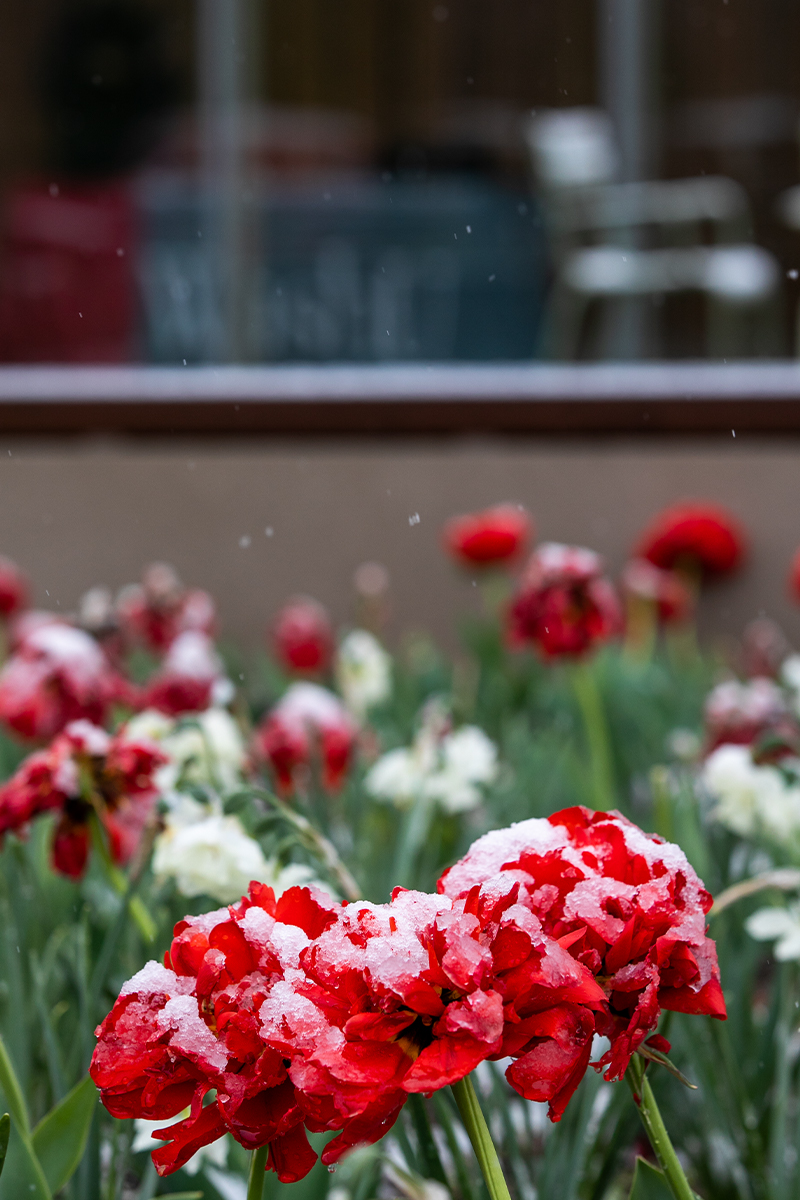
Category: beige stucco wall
[77,513]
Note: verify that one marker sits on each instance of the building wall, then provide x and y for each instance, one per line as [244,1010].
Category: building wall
[79,513]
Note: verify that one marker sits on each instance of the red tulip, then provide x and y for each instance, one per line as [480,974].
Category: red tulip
[190,678]
[154,613]
[308,724]
[117,773]
[494,536]
[641,580]
[14,589]
[627,905]
[56,675]
[701,537]
[563,605]
[303,637]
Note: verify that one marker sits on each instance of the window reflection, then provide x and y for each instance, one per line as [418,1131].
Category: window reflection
[301,180]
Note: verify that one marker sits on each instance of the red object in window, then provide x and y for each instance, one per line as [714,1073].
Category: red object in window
[700,535]
[67,290]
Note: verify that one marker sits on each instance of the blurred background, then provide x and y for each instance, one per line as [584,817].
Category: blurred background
[300,180]
[186,184]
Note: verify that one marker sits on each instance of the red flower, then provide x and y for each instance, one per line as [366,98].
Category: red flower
[193,1026]
[57,675]
[564,605]
[152,614]
[641,580]
[703,537]
[308,722]
[190,679]
[483,539]
[84,770]
[302,636]
[742,713]
[14,588]
[410,996]
[626,904]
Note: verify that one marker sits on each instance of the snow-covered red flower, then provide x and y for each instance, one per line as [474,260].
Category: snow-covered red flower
[743,713]
[564,605]
[152,614]
[626,904]
[57,674]
[409,997]
[14,588]
[664,590]
[302,636]
[308,723]
[180,1031]
[484,539]
[191,677]
[84,770]
[699,538]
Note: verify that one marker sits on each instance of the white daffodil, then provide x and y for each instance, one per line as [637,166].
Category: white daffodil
[205,748]
[781,925]
[449,769]
[214,856]
[363,672]
[751,799]
[215,1154]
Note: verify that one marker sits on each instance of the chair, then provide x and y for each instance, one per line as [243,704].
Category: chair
[624,242]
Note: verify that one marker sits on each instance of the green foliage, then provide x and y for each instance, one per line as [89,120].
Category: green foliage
[59,1139]
[66,948]
[649,1183]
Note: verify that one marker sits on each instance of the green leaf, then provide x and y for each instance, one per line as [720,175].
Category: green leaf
[60,1137]
[656,1056]
[5,1130]
[649,1183]
[22,1173]
[13,1092]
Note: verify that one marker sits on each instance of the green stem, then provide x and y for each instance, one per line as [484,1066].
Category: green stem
[317,843]
[590,703]
[781,1095]
[478,1131]
[136,907]
[657,1131]
[255,1180]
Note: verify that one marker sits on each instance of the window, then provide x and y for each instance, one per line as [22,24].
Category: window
[397,180]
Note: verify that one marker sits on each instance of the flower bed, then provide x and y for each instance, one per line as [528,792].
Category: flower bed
[391,915]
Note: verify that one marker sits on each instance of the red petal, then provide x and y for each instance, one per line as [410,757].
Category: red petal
[290,1156]
[187,1137]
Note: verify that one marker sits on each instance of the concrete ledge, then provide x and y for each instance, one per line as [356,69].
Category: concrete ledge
[419,399]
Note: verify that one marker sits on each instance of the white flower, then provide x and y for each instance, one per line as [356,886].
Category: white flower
[206,748]
[214,856]
[469,762]
[781,925]
[449,769]
[363,672]
[396,777]
[216,1153]
[751,799]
